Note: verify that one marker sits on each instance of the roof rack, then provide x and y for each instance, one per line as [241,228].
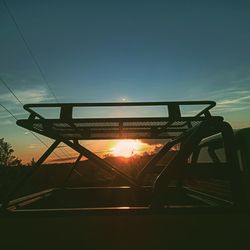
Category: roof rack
[189,129]
[65,126]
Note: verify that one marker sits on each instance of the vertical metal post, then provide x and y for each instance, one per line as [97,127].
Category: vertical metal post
[176,164]
[174,111]
[232,160]
[66,112]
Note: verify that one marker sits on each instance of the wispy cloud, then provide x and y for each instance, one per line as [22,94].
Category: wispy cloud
[241,80]
[26,96]
[34,95]
[231,100]
[236,100]
[34,146]
[5,115]
[7,122]
[228,99]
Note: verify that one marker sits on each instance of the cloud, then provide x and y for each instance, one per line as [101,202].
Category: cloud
[34,95]
[6,122]
[33,146]
[154,141]
[151,149]
[236,100]
[232,100]
[5,115]
[230,89]
[242,80]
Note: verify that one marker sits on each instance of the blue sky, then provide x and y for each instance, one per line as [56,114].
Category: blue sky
[139,50]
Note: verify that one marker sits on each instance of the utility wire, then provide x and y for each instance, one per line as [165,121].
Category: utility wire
[65,152]
[29,50]
[7,110]
[6,85]
[37,137]
[20,102]
[39,69]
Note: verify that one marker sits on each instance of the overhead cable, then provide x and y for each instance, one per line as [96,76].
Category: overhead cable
[29,50]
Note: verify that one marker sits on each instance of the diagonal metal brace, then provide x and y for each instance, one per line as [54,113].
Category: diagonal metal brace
[33,170]
[99,161]
[71,170]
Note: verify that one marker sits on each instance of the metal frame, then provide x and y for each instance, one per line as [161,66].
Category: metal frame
[122,128]
[189,135]
[177,165]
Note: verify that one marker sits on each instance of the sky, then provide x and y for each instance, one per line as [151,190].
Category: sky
[108,51]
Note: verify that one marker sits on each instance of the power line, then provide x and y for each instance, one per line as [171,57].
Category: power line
[29,50]
[34,60]
[39,69]
[8,111]
[20,102]
[6,85]
[12,92]
[65,152]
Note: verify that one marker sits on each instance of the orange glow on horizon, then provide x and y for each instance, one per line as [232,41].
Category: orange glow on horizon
[113,148]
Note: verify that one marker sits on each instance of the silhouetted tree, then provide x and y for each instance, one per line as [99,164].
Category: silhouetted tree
[32,162]
[7,158]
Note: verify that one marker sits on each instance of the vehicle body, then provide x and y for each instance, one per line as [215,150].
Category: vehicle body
[185,201]
[212,149]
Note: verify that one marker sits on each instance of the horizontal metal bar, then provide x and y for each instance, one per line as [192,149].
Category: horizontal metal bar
[117,104]
[116,130]
[51,131]
[125,119]
[70,106]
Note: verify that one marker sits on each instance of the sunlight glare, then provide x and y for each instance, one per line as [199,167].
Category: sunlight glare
[126,148]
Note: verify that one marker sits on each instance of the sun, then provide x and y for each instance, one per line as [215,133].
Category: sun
[126,148]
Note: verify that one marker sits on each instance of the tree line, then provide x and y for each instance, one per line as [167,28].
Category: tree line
[7,157]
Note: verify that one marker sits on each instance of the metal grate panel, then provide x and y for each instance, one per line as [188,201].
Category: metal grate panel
[67,127]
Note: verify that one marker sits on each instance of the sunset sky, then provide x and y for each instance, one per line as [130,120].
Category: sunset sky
[133,50]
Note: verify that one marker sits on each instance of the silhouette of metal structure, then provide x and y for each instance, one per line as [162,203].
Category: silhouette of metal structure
[185,130]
